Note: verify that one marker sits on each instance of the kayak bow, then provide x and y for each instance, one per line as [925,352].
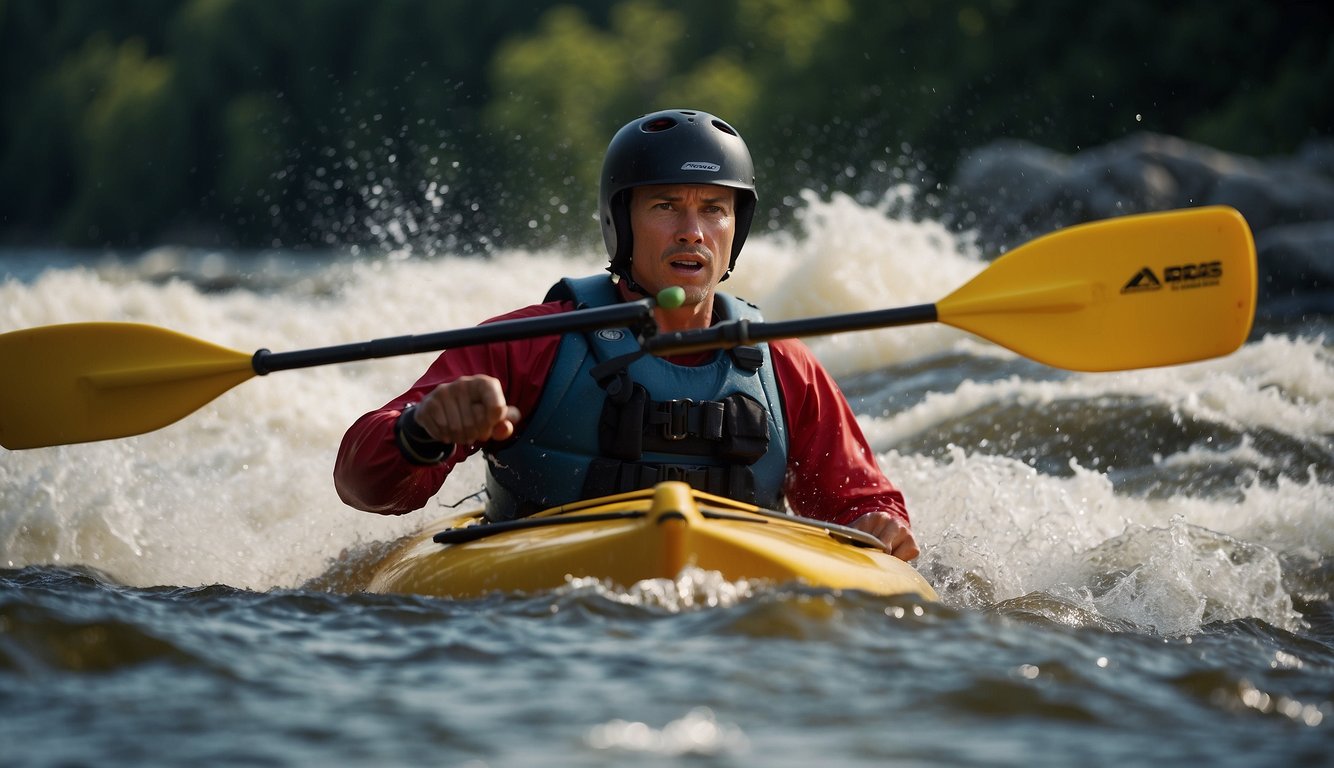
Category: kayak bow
[649,534]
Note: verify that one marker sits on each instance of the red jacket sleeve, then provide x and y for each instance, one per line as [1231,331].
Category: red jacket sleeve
[832,473]
[371,474]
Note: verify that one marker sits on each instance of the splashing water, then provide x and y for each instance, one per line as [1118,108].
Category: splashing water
[1015,481]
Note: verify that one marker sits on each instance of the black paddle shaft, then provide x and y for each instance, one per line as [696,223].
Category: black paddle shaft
[738,333]
[635,315]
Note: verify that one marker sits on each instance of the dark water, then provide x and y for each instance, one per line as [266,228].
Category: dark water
[96,674]
[1135,569]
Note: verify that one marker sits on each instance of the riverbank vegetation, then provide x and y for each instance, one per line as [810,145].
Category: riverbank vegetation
[247,123]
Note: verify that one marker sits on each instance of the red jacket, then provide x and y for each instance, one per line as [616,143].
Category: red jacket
[832,474]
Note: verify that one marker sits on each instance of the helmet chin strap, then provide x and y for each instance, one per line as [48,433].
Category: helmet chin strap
[634,286]
[629,281]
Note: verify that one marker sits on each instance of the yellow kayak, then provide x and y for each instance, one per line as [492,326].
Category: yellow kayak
[646,534]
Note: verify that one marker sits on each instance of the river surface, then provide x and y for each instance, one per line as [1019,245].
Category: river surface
[1134,568]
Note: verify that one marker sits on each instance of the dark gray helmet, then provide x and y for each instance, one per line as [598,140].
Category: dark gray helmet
[674,146]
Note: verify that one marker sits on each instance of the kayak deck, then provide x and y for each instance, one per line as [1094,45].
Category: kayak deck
[649,534]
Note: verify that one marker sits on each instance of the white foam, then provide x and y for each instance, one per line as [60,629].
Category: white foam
[994,529]
[854,258]
[1277,383]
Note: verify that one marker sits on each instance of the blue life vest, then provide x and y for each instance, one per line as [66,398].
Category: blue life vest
[718,426]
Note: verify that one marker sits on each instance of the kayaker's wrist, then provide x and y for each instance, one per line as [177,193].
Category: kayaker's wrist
[416,444]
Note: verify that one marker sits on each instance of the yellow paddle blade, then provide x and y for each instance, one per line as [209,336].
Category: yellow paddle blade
[92,381]
[1131,292]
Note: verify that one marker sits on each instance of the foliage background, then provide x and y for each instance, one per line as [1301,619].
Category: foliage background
[465,124]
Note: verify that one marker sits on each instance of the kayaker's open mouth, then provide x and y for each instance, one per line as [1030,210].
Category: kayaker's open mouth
[688,260]
[687,265]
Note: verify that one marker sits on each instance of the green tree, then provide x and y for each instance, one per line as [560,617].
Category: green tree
[129,146]
[334,121]
[560,91]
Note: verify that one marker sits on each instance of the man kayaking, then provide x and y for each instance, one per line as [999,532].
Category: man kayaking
[563,418]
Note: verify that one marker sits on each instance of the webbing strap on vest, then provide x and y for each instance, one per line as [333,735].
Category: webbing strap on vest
[608,476]
[734,430]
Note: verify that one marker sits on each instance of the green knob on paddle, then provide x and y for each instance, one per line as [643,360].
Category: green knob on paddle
[672,297]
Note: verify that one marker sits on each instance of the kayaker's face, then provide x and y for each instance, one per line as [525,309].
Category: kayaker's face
[682,236]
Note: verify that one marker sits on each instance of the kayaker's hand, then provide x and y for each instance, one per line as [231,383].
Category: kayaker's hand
[897,537]
[470,409]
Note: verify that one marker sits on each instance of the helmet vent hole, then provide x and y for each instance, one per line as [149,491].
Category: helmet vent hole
[658,125]
[724,127]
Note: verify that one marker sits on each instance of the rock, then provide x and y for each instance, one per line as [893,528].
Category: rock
[1296,270]
[1008,192]
[1277,195]
[1011,191]
[1317,155]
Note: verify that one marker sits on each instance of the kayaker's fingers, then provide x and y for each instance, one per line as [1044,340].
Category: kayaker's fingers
[488,413]
[430,414]
[896,536]
[906,549]
[490,398]
[467,410]
[505,429]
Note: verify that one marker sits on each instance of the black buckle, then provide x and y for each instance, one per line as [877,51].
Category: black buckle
[672,472]
[613,377]
[677,425]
